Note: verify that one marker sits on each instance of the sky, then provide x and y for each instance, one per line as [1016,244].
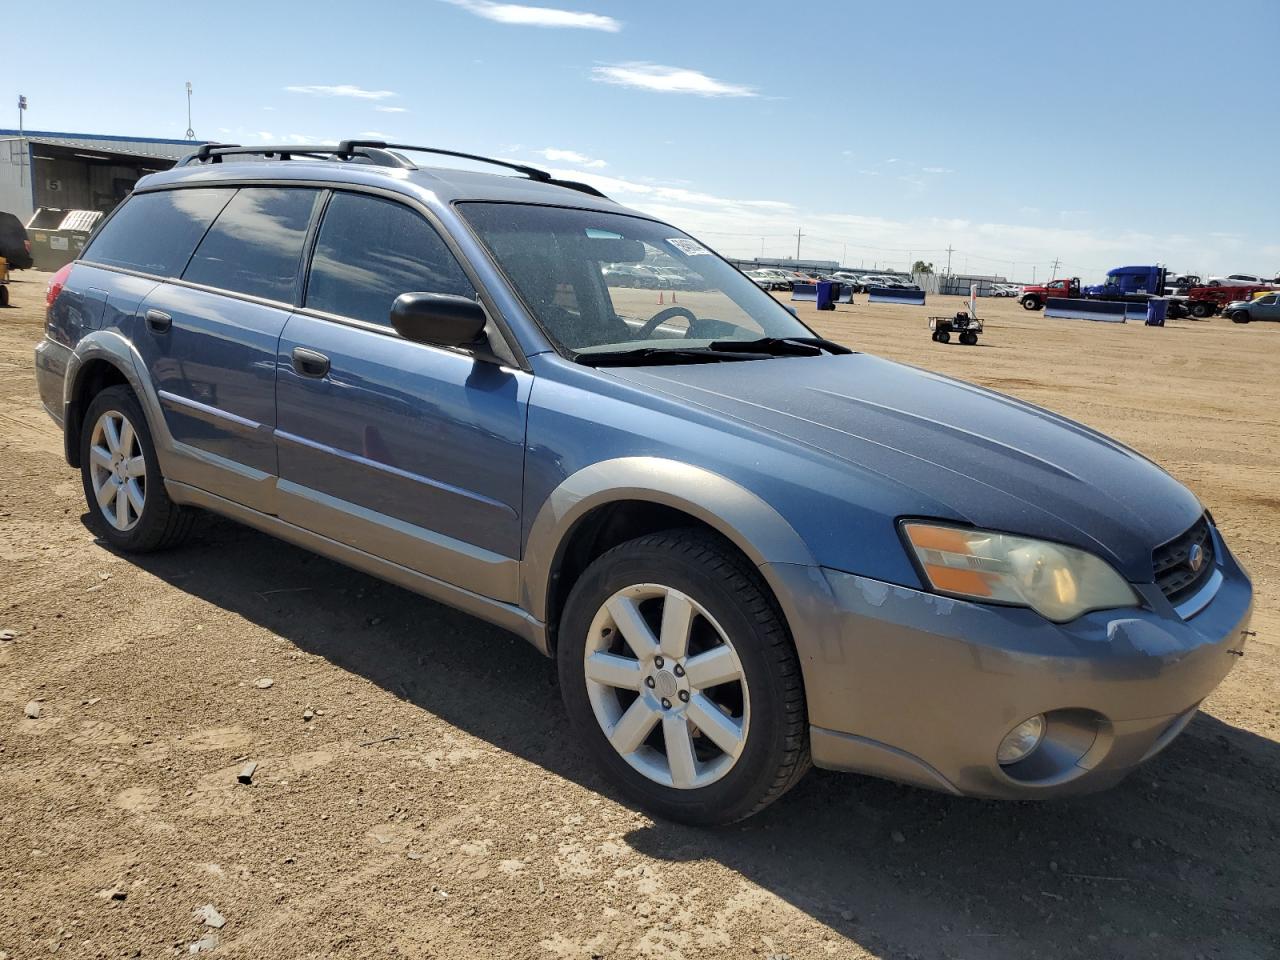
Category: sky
[1093,133]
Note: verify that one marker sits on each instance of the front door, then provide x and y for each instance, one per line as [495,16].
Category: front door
[412,453]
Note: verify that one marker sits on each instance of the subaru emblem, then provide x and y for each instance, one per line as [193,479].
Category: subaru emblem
[1195,557]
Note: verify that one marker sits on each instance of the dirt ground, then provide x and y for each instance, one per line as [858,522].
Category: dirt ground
[432,805]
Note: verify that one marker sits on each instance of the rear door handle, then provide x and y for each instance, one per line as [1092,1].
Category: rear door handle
[309,363]
[158,321]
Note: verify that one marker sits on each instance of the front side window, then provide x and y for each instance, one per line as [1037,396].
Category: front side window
[255,244]
[155,232]
[369,251]
[603,282]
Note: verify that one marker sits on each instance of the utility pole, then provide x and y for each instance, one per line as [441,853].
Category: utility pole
[948,259]
[22,109]
[844,253]
[1033,273]
[191,134]
[798,236]
[1056,264]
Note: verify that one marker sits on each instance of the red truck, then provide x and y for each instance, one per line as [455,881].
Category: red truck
[1033,297]
[1202,302]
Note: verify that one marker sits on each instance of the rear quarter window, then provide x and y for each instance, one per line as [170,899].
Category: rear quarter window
[255,245]
[155,233]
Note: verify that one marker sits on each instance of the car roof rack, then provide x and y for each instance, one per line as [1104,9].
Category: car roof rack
[376,152]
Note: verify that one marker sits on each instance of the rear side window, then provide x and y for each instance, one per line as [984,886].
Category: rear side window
[369,251]
[155,232]
[255,244]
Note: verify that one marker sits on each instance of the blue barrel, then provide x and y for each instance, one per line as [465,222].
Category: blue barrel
[1157,310]
[825,300]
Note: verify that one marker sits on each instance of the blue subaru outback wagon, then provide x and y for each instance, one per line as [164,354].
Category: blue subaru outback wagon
[749,549]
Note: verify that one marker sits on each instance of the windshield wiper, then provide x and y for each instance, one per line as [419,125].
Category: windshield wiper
[646,356]
[781,346]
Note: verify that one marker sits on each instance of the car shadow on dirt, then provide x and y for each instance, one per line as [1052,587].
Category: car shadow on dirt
[1181,860]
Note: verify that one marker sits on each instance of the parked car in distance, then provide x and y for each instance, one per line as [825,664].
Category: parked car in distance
[771,279]
[15,246]
[1265,307]
[748,548]
[1240,280]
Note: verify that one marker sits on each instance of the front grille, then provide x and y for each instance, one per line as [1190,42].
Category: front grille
[1172,561]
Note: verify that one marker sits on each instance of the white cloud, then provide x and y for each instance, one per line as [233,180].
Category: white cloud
[519,14]
[341,90]
[385,109]
[937,170]
[653,76]
[373,135]
[570,156]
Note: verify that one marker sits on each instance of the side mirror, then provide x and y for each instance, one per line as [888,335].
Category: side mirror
[441,319]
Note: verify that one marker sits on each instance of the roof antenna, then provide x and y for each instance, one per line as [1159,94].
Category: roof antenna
[191,134]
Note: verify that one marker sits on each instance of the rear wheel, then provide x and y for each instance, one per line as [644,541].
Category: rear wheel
[969,339]
[122,482]
[677,670]
[1201,310]
[944,336]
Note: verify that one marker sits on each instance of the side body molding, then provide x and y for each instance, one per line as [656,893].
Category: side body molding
[749,522]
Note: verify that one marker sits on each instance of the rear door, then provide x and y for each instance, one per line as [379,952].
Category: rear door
[209,340]
[409,452]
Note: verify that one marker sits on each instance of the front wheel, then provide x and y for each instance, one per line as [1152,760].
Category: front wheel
[969,339]
[122,482]
[1240,316]
[677,670]
[1030,303]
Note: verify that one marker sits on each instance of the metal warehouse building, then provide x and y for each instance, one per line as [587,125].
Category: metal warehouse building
[77,171]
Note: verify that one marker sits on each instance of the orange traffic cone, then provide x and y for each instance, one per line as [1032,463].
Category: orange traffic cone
[673,296]
[660,300]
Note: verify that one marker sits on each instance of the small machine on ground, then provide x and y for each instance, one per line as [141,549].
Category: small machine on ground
[4,282]
[966,326]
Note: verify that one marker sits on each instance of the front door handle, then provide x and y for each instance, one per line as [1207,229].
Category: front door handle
[158,321]
[309,363]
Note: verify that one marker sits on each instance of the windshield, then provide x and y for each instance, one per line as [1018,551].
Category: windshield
[603,282]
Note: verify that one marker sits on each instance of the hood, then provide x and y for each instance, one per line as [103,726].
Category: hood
[991,460]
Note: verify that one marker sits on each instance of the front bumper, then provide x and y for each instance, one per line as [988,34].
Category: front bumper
[920,688]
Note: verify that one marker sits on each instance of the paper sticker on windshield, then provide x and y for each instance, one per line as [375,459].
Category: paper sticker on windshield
[690,248]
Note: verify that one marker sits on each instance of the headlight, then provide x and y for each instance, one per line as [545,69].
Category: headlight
[1058,582]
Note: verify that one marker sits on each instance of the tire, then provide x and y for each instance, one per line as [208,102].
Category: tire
[944,336]
[1241,316]
[158,522]
[758,711]
[4,294]
[1201,310]
[1030,303]
[969,339]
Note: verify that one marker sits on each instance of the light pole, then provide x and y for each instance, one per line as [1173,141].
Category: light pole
[191,134]
[22,109]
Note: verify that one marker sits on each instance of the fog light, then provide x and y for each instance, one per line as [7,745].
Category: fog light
[1021,741]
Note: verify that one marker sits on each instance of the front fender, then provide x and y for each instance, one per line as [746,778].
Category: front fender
[750,523]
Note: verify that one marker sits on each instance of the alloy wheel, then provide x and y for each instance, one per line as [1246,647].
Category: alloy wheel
[666,686]
[117,470]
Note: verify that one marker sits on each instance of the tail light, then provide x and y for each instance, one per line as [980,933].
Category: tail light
[56,283]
